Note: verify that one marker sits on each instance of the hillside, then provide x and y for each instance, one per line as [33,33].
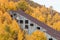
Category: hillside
[46,15]
[9,28]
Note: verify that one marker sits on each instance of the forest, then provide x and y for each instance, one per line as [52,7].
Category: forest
[9,28]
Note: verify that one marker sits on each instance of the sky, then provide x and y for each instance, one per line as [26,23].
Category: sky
[54,3]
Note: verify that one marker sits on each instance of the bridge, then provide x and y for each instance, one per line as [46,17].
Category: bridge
[48,30]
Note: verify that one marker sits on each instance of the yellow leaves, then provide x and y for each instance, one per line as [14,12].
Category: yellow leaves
[43,9]
[14,25]
[5,17]
[39,35]
[57,26]
[41,18]
[8,5]
[36,35]
[2,28]
[43,14]
[27,37]
[3,4]
[6,20]
[49,16]
[1,13]
[6,14]
[38,13]
[56,17]
[3,1]
[11,5]
[20,35]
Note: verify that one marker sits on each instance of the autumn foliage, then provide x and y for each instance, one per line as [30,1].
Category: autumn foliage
[45,15]
[36,35]
[9,28]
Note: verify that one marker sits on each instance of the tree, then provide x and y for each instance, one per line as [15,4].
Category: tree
[22,5]
[11,5]
[36,35]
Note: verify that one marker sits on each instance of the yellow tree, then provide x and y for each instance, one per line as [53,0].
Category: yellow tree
[22,5]
[37,35]
[56,26]
[11,5]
